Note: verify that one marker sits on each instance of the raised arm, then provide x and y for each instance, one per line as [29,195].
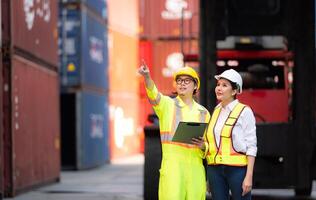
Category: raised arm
[144,71]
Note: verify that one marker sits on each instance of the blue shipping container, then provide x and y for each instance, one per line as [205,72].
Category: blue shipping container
[98,6]
[83,49]
[85,138]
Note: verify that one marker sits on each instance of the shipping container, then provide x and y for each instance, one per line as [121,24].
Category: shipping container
[125,136]
[146,54]
[31,131]
[83,48]
[98,6]
[124,16]
[123,62]
[34,30]
[123,94]
[84,125]
[155,19]
[35,138]
[166,58]
[168,19]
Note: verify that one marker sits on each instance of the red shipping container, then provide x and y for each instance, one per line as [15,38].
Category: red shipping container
[34,29]
[35,135]
[162,18]
[163,58]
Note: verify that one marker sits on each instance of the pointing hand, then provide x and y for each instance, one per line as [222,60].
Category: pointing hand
[143,69]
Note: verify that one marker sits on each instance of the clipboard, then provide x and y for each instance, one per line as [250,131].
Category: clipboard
[188,130]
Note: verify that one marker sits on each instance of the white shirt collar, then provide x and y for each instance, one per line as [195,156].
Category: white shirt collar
[231,105]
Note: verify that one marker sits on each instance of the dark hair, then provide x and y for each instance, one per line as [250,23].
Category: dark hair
[234,87]
[195,90]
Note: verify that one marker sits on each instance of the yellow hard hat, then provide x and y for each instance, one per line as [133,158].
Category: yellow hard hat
[189,71]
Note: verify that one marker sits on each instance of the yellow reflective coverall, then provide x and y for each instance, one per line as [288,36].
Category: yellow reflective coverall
[182,174]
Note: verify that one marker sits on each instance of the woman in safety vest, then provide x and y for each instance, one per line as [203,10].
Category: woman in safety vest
[231,141]
[182,174]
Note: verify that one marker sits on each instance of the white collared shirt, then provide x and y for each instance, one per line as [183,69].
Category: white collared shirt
[244,137]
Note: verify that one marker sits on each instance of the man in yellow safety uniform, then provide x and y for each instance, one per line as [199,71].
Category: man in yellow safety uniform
[182,174]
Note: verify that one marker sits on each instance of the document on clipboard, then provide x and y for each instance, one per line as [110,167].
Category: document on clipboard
[188,130]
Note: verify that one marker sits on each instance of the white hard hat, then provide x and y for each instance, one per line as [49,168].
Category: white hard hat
[232,76]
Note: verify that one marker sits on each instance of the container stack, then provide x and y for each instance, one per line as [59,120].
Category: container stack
[152,30]
[30,99]
[123,94]
[84,83]
[169,28]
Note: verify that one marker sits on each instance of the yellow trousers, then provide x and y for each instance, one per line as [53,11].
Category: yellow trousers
[182,177]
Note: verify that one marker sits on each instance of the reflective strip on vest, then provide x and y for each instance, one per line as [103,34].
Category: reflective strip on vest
[166,137]
[203,114]
[226,153]
[177,118]
[155,102]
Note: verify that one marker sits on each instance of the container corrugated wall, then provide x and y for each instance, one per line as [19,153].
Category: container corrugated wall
[34,29]
[35,124]
[162,18]
[30,96]
[154,19]
[84,81]
[124,106]
[85,130]
[83,48]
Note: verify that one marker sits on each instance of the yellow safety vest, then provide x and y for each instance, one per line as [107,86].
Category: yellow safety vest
[226,153]
[170,112]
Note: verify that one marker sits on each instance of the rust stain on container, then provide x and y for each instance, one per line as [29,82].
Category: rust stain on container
[34,28]
[35,124]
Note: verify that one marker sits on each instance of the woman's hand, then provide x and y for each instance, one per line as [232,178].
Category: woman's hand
[246,185]
[200,142]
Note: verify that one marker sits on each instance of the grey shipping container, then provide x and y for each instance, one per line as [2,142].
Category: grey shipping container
[84,122]
[83,48]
